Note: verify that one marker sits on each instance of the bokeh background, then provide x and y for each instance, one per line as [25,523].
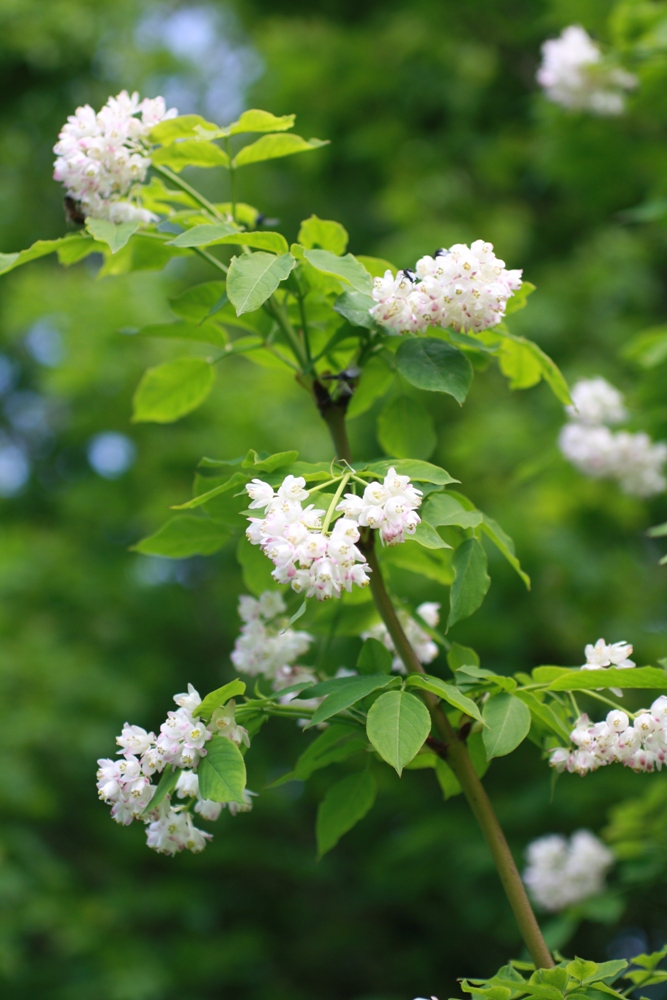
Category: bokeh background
[438,136]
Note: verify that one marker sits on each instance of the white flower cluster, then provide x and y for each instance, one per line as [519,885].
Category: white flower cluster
[425,649]
[465,288]
[561,873]
[603,655]
[574,75]
[390,507]
[102,156]
[633,460]
[641,745]
[310,560]
[265,646]
[126,784]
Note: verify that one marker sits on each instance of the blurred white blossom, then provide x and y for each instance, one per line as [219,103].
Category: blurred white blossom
[574,74]
[563,872]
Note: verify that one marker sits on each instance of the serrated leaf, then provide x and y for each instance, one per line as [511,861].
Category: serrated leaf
[271,147]
[471,580]
[254,277]
[347,268]
[169,391]
[218,698]
[184,536]
[397,726]
[114,234]
[447,692]
[508,721]
[344,805]
[222,773]
[430,363]
[324,234]
[346,694]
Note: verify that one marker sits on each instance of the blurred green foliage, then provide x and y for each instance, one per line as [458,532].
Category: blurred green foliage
[437,136]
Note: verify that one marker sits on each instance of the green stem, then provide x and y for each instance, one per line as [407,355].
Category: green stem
[456,752]
[278,313]
[336,497]
[608,701]
[211,259]
[232,179]
[184,186]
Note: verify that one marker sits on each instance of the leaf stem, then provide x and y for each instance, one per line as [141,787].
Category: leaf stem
[456,752]
[332,506]
[232,178]
[211,259]
[184,186]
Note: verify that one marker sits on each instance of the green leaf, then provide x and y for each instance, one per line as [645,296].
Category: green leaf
[165,787]
[376,266]
[405,429]
[651,678]
[397,726]
[443,509]
[114,234]
[447,692]
[375,379]
[419,472]
[222,774]
[239,479]
[581,970]
[518,300]
[374,658]
[504,544]
[429,363]
[8,261]
[338,742]
[434,564]
[198,302]
[355,307]
[184,536]
[326,235]
[461,656]
[253,277]
[143,253]
[169,391]
[648,961]
[346,693]
[270,462]
[254,120]
[657,531]
[190,153]
[521,362]
[649,348]
[218,698]
[471,580]
[255,567]
[428,537]
[203,234]
[508,721]
[545,715]
[344,805]
[182,127]
[270,147]
[203,333]
[347,268]
[447,779]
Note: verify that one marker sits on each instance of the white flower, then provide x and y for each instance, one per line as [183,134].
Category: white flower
[311,561]
[465,288]
[264,645]
[102,157]
[595,402]
[135,739]
[574,75]
[561,873]
[389,507]
[187,785]
[641,745]
[224,721]
[425,648]
[189,700]
[603,655]
[242,807]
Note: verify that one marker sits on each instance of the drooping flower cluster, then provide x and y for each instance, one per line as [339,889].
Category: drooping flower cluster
[265,646]
[465,288]
[101,157]
[640,745]
[127,787]
[574,74]
[563,872]
[390,507]
[633,460]
[425,649]
[313,562]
